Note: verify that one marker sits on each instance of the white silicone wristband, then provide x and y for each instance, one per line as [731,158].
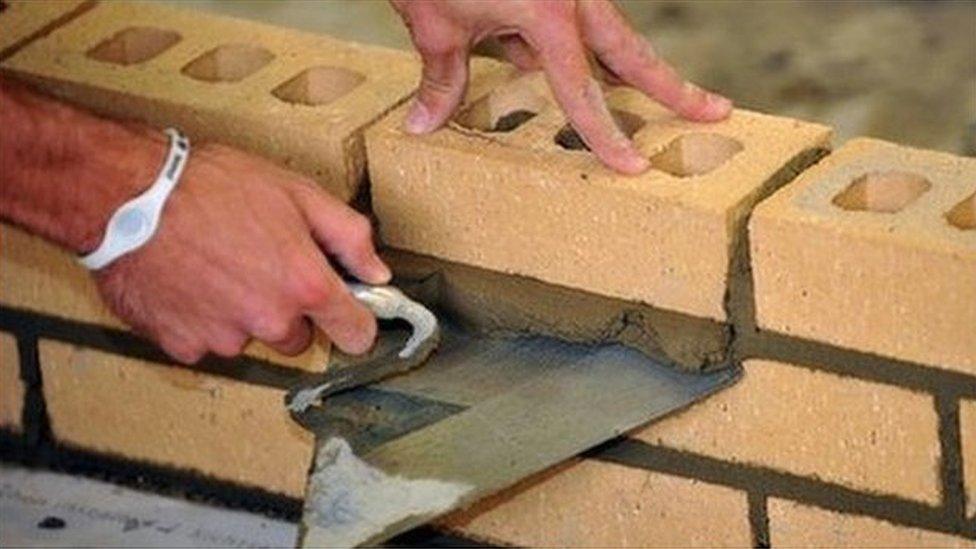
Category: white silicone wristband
[136,221]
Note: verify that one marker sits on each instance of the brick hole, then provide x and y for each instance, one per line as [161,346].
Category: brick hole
[318,86]
[134,45]
[228,63]
[695,154]
[629,123]
[883,192]
[3,6]
[963,215]
[502,112]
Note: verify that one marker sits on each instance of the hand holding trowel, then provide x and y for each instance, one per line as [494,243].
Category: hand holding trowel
[387,303]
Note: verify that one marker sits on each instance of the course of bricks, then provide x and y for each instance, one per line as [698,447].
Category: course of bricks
[850,290]
[299,99]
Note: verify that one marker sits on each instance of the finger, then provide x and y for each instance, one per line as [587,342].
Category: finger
[296,339]
[344,233]
[518,52]
[578,93]
[324,298]
[631,57]
[444,78]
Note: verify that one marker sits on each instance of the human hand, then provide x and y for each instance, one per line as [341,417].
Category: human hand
[558,36]
[239,254]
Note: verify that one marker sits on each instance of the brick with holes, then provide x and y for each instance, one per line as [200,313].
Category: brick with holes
[299,99]
[508,187]
[25,20]
[873,249]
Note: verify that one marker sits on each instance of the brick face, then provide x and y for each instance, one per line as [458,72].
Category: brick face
[862,251]
[595,504]
[171,416]
[11,386]
[967,423]
[867,436]
[37,276]
[517,202]
[793,524]
[252,86]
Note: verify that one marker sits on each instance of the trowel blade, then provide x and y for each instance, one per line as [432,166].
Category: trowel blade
[480,416]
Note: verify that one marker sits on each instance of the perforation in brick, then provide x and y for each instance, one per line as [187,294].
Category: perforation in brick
[695,154]
[318,86]
[963,215]
[228,63]
[882,192]
[134,45]
[629,123]
[504,110]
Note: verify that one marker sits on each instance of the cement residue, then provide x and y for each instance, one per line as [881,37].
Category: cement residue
[499,304]
[349,501]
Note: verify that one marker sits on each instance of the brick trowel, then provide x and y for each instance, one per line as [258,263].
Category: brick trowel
[397,445]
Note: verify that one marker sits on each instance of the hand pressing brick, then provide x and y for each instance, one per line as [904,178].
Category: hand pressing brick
[873,249]
[299,99]
[509,187]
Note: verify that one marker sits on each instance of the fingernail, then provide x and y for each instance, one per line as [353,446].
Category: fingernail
[381,272]
[718,107]
[418,121]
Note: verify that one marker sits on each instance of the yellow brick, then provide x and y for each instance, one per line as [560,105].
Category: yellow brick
[596,504]
[793,524]
[172,416]
[873,249]
[867,436]
[37,276]
[11,386]
[21,20]
[241,83]
[518,203]
[967,423]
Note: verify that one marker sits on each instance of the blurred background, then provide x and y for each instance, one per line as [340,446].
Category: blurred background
[898,70]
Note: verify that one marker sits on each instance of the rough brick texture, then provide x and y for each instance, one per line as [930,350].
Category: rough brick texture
[37,276]
[517,202]
[793,524]
[23,20]
[299,99]
[11,386]
[967,424]
[172,416]
[867,436]
[596,504]
[863,251]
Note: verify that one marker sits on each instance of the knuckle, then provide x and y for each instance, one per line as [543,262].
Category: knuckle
[227,346]
[309,288]
[270,324]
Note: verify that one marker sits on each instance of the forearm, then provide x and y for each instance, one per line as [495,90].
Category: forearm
[64,171]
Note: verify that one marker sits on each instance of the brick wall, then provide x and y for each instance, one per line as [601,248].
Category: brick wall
[850,290]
